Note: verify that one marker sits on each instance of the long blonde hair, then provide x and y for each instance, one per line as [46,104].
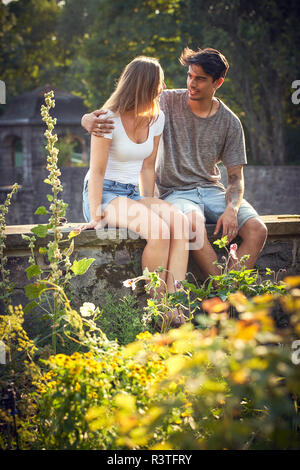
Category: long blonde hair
[138,88]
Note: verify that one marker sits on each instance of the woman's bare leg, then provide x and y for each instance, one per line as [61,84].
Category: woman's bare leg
[123,212]
[179,238]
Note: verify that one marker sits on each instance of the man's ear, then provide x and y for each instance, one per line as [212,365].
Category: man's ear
[218,83]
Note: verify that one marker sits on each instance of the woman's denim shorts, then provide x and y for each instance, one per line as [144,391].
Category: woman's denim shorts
[111,190]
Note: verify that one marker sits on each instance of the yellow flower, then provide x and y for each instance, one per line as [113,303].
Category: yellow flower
[60,359]
[144,335]
[75,356]
[240,376]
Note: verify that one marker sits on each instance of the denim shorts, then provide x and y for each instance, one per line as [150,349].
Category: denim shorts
[111,190]
[210,202]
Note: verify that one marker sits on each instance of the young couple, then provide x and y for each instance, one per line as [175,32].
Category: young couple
[197,131]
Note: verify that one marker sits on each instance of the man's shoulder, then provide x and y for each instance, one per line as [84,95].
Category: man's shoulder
[230,115]
[173,94]
[175,91]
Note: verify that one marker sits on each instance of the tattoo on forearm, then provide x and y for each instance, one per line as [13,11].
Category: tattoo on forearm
[235,190]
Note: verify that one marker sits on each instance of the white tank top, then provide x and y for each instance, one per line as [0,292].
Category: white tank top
[125,157]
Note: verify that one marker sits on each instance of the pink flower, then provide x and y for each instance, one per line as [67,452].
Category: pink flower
[177,284]
[233,249]
[129,283]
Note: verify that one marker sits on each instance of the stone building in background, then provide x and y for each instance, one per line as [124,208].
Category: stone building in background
[22,146]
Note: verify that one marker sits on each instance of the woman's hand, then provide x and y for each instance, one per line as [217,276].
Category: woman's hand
[92,225]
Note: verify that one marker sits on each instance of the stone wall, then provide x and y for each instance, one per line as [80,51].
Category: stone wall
[117,257]
[271,190]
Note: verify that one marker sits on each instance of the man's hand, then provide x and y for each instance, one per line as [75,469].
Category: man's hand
[97,124]
[228,221]
[234,197]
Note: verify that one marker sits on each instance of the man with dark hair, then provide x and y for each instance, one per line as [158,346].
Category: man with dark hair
[201,132]
[212,61]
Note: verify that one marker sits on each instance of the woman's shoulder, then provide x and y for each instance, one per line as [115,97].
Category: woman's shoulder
[159,122]
[110,114]
[161,114]
[160,117]
[114,117]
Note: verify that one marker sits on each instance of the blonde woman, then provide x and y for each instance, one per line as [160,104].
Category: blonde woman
[119,186]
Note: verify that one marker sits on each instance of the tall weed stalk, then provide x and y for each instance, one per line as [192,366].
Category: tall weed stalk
[6,287]
[60,269]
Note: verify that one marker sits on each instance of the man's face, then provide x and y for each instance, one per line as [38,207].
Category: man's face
[200,85]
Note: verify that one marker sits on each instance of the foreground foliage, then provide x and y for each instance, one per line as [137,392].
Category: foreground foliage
[226,384]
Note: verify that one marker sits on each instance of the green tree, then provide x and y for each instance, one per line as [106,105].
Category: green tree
[31,53]
[260,40]
[122,31]
[82,47]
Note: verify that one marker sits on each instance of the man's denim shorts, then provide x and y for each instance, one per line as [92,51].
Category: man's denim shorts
[111,190]
[209,201]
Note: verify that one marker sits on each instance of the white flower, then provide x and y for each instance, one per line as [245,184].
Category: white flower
[87,309]
[129,283]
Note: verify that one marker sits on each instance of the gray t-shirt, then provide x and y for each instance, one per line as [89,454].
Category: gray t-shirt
[192,146]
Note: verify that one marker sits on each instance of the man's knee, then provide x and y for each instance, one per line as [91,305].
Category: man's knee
[255,230]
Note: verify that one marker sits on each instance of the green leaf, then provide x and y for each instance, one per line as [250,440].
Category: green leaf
[33,291]
[80,267]
[50,197]
[42,250]
[30,306]
[41,210]
[223,295]
[47,181]
[70,250]
[222,242]
[40,230]
[73,234]
[146,272]
[33,270]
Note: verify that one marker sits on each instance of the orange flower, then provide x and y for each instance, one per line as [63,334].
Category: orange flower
[163,340]
[215,305]
[246,329]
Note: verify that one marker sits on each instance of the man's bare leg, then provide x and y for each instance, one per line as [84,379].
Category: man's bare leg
[200,247]
[253,234]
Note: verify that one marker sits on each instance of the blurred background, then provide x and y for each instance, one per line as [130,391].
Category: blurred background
[79,48]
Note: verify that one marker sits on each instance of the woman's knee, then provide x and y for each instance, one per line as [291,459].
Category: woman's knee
[179,226]
[197,230]
[158,228]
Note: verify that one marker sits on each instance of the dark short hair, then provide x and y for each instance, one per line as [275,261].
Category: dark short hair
[212,61]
